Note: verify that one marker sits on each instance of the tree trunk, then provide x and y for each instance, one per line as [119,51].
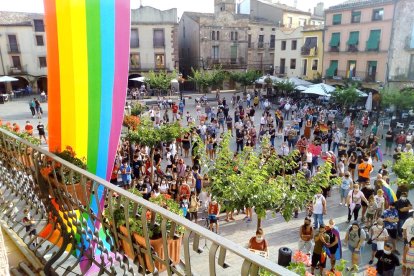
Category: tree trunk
[152,166]
[259,223]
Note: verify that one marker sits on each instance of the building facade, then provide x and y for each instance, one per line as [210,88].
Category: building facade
[23,50]
[261,43]
[357,40]
[288,52]
[154,40]
[281,15]
[214,39]
[312,52]
[401,53]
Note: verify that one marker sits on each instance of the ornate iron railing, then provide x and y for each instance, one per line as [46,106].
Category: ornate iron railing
[74,239]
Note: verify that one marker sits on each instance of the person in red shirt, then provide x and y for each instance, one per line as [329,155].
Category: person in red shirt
[213,211]
[16,127]
[28,128]
[258,242]
[174,111]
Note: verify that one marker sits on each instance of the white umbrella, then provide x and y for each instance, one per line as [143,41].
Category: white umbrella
[174,81]
[7,79]
[262,80]
[368,104]
[363,94]
[301,88]
[320,89]
[140,79]
[299,82]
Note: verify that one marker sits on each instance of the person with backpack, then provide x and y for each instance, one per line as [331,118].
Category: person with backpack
[355,237]
[318,209]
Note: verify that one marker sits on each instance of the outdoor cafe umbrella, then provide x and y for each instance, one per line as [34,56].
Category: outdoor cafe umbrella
[262,80]
[299,82]
[368,104]
[7,79]
[140,79]
[320,89]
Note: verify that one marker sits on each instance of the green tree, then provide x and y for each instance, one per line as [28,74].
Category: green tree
[404,169]
[148,135]
[259,180]
[285,87]
[345,97]
[245,78]
[399,100]
[160,81]
[205,79]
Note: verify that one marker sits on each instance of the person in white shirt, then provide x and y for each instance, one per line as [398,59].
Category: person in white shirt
[284,149]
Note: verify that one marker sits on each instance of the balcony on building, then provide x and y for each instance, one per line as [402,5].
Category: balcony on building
[335,42]
[13,48]
[353,42]
[148,67]
[358,76]
[226,63]
[17,70]
[310,47]
[373,41]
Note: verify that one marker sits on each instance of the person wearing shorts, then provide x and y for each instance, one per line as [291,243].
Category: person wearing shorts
[318,260]
[213,211]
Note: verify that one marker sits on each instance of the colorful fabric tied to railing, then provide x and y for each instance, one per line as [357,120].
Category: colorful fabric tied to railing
[88,57]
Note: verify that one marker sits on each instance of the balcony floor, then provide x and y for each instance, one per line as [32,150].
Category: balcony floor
[10,255]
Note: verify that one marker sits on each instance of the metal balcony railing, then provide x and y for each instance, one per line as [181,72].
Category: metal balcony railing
[72,238]
[13,48]
[306,51]
[226,63]
[17,70]
[149,67]
[357,75]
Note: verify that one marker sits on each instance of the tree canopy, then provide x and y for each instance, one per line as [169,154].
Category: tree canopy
[160,80]
[399,99]
[404,169]
[261,180]
[345,97]
[207,78]
[245,78]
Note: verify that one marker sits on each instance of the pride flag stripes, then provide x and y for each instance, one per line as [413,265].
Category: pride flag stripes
[88,55]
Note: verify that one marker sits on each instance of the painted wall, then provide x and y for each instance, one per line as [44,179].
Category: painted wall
[310,73]
[289,35]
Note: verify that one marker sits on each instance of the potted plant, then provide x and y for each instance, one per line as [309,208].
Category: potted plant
[134,224]
[131,122]
[65,179]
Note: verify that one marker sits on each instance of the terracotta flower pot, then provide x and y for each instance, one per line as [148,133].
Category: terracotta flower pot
[75,190]
[174,250]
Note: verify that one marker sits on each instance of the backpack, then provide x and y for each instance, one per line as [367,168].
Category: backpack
[359,234]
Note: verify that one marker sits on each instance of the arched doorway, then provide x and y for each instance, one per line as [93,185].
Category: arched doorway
[42,83]
[22,83]
[134,84]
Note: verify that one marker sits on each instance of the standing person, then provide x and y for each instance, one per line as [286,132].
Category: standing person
[126,174]
[38,108]
[333,244]
[346,123]
[391,224]
[193,206]
[308,128]
[29,224]
[389,140]
[364,171]
[306,235]
[408,258]
[345,185]
[213,211]
[32,106]
[318,259]
[355,238]
[41,130]
[354,199]
[368,191]
[319,209]
[403,205]
[28,128]
[378,235]
[337,137]
[387,261]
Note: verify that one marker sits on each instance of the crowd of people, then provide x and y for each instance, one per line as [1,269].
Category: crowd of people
[353,148]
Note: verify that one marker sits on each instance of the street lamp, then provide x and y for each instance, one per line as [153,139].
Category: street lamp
[180,79]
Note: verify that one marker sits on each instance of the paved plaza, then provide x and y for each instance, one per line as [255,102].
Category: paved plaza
[278,232]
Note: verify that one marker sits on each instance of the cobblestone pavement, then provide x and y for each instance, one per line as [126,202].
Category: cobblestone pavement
[278,232]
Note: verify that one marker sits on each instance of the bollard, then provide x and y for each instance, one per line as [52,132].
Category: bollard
[285,256]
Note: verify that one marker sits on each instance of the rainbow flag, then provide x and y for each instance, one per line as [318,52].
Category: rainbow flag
[389,194]
[88,62]
[88,59]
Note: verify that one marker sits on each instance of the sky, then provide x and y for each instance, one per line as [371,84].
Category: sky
[181,5]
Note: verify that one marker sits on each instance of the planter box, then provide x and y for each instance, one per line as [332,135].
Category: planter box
[174,250]
[75,190]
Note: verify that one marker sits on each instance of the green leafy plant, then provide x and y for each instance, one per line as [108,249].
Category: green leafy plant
[285,87]
[137,109]
[245,78]
[161,80]
[134,212]
[148,135]
[345,97]
[404,170]
[64,174]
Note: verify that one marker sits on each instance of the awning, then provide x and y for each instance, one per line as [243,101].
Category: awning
[373,40]
[335,39]
[337,18]
[353,38]
[330,72]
